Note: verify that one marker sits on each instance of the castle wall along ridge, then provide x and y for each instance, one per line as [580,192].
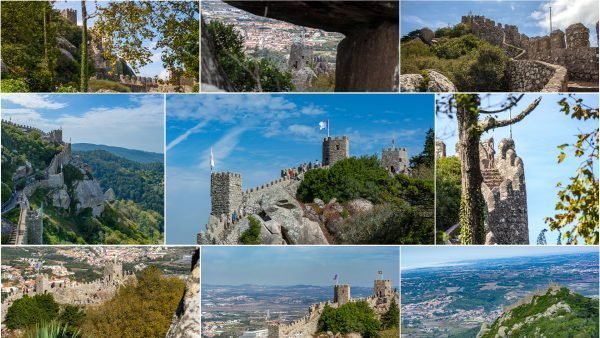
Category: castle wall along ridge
[230,203]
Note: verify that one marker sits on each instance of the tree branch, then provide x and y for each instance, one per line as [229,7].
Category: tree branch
[512,104]
[491,123]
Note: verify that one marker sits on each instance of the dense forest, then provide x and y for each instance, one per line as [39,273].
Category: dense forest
[43,51]
[130,154]
[131,180]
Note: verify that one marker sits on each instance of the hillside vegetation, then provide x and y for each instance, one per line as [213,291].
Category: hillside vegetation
[135,217]
[130,154]
[557,313]
[471,63]
[131,180]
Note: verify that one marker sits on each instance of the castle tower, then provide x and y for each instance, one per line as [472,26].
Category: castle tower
[341,294]
[300,55]
[70,15]
[55,136]
[504,193]
[382,288]
[440,149]
[395,160]
[113,271]
[335,149]
[42,284]
[225,193]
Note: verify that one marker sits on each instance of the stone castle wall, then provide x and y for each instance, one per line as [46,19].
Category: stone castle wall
[69,14]
[300,56]
[60,159]
[341,294]
[507,202]
[335,149]
[536,76]
[570,49]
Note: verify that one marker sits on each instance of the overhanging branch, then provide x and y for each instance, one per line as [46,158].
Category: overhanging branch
[491,123]
[512,104]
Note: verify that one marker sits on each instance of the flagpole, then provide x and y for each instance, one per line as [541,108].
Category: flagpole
[327,127]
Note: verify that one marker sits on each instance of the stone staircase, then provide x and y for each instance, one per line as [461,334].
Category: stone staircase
[491,177]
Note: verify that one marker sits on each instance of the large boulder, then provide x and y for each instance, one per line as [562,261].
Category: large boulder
[303,78]
[436,82]
[186,320]
[439,83]
[212,73]
[89,195]
[109,195]
[66,45]
[426,35]
[61,199]
[279,205]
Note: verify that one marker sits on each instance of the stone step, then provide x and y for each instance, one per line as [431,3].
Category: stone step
[580,86]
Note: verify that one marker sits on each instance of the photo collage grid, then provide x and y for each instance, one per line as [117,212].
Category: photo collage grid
[290,168]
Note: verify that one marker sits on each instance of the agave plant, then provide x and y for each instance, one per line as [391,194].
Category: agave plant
[52,329]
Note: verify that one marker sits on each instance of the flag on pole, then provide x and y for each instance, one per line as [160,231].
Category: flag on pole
[212,159]
[335,277]
[323,125]
[393,141]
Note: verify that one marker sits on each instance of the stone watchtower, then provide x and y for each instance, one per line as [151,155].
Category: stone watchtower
[335,149]
[225,193]
[42,284]
[395,160]
[382,288]
[341,294]
[504,192]
[113,271]
[440,149]
[55,136]
[300,55]
[70,15]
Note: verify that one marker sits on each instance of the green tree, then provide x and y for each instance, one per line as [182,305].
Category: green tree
[392,316]
[351,317]
[577,208]
[447,190]
[426,157]
[245,74]
[29,311]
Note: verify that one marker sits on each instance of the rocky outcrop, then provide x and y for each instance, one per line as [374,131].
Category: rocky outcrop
[109,195]
[61,199]
[280,206]
[213,76]
[186,320]
[436,82]
[426,35]
[89,195]
[303,78]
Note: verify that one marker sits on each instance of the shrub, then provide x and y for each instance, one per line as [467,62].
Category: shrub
[448,187]
[96,85]
[66,89]
[13,86]
[29,311]
[350,317]
[252,234]
[487,73]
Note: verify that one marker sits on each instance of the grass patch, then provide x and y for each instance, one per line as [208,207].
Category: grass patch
[95,85]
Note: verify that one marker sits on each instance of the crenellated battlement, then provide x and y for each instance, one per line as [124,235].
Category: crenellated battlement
[395,160]
[335,149]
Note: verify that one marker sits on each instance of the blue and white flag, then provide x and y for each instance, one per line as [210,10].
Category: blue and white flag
[323,125]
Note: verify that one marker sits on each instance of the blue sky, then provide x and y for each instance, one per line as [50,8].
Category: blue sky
[292,265]
[154,68]
[531,17]
[424,256]
[133,121]
[536,138]
[259,134]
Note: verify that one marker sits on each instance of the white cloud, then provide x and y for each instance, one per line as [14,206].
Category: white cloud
[566,13]
[139,125]
[198,127]
[222,148]
[312,110]
[34,101]
[304,131]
